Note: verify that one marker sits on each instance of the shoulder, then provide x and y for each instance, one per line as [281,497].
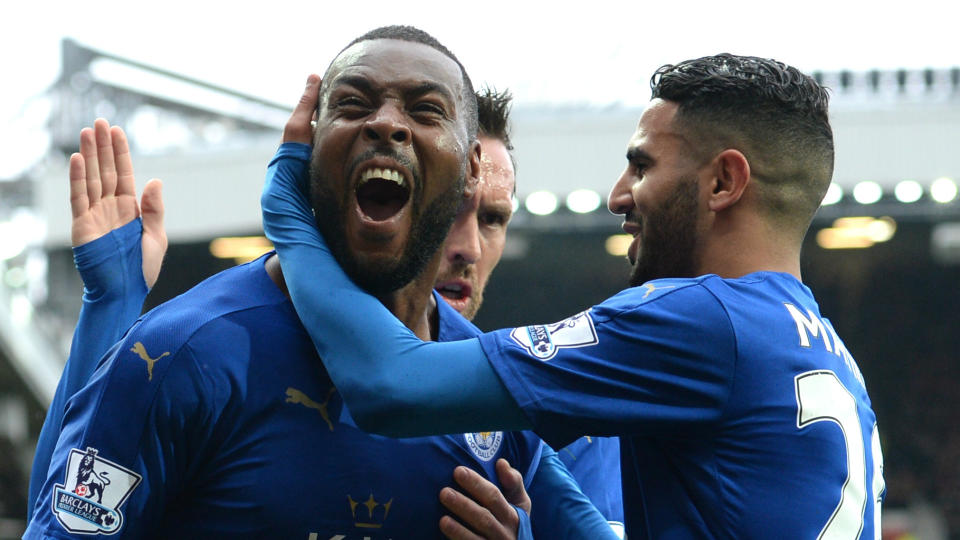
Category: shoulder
[206,318]
[663,297]
[239,289]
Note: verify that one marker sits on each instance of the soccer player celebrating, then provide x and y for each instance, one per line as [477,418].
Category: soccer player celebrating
[741,413]
[213,416]
[472,250]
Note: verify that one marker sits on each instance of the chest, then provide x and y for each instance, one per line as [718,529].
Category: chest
[287,452]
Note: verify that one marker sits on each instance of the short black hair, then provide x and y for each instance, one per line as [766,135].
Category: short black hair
[493,115]
[773,113]
[415,35]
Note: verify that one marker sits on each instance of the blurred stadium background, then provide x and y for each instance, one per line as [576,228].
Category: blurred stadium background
[883,255]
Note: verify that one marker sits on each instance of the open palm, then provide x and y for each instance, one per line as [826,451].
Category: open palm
[103,195]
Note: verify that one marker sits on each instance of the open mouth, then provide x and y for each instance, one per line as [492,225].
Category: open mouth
[455,291]
[382,193]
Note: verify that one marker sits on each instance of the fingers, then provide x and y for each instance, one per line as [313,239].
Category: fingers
[79,203]
[88,149]
[455,531]
[482,507]
[470,513]
[124,165]
[108,168]
[298,128]
[511,483]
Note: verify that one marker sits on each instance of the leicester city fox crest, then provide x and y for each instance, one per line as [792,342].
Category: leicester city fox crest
[94,488]
[484,444]
[544,340]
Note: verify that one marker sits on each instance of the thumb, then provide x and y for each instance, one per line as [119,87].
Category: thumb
[298,128]
[151,207]
[154,244]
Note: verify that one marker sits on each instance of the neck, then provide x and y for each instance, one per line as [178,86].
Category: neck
[735,250]
[413,304]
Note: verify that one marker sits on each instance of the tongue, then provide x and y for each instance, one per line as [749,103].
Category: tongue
[381,199]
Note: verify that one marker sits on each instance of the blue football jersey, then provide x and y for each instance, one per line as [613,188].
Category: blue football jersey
[594,462]
[214,418]
[740,410]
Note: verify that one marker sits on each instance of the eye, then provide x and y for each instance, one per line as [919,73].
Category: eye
[639,169]
[493,219]
[349,105]
[428,108]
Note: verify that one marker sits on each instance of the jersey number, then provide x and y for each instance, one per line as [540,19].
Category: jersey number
[822,397]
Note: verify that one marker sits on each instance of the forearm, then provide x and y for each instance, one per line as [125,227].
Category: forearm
[114,291]
[560,509]
[393,383]
[113,295]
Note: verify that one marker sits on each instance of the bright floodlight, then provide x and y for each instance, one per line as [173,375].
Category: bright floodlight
[943,190]
[908,191]
[833,196]
[867,192]
[583,201]
[541,203]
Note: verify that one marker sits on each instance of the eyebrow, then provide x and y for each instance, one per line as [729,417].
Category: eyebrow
[366,86]
[635,155]
[427,87]
[360,83]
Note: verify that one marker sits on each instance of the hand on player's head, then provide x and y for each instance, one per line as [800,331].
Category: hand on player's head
[299,127]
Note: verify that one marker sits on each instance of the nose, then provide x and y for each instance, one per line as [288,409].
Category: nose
[620,200]
[463,242]
[387,124]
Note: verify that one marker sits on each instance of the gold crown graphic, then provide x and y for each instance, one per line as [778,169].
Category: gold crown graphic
[370,517]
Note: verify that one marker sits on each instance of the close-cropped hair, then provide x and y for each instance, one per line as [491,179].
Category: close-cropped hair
[773,113]
[415,35]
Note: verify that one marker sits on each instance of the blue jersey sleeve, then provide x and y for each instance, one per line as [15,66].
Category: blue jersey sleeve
[129,440]
[433,388]
[113,295]
[656,364]
[560,509]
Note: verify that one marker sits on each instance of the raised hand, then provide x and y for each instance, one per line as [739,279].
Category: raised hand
[103,195]
[485,509]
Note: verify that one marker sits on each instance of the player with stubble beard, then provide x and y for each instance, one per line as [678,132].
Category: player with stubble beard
[471,251]
[741,413]
[214,418]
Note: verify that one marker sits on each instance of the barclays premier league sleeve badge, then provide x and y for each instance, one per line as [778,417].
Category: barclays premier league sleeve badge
[544,340]
[88,501]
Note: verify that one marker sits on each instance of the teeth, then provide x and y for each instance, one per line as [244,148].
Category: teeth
[454,288]
[385,174]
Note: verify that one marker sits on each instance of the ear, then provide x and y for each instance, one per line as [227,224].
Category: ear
[732,174]
[472,180]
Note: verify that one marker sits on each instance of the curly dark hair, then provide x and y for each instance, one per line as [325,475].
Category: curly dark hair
[773,113]
[415,35]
